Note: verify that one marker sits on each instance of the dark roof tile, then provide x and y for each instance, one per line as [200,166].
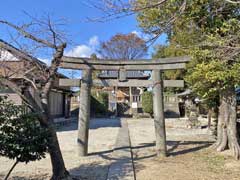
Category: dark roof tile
[130,75]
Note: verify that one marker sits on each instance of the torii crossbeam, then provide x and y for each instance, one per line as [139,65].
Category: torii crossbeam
[157,83]
[139,64]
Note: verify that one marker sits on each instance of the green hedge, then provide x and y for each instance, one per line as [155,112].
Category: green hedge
[99,103]
[22,138]
[147,102]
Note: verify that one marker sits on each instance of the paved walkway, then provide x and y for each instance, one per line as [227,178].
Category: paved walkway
[122,165]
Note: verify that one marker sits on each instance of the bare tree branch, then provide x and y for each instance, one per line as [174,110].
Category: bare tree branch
[233,2]
[119,9]
[37,97]
[29,35]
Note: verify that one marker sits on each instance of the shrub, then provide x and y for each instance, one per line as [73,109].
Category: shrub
[147,102]
[99,103]
[21,136]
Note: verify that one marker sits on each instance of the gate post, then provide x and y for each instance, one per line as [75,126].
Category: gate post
[116,109]
[158,109]
[84,111]
[130,101]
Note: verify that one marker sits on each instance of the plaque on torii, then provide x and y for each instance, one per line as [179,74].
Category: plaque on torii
[157,83]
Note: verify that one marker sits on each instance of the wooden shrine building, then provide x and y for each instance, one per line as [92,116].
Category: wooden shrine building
[124,100]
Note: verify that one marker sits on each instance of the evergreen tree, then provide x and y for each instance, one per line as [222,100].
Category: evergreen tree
[209,32]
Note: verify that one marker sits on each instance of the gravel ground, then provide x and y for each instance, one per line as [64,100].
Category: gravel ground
[190,155]
[102,137]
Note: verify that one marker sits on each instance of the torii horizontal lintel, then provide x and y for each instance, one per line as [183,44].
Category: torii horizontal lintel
[116,83]
[126,67]
[105,64]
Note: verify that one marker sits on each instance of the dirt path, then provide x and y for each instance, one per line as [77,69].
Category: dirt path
[190,157]
[122,164]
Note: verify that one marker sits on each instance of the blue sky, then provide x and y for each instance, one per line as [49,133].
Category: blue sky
[84,35]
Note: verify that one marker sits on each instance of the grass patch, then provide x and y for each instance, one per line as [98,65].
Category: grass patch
[213,161]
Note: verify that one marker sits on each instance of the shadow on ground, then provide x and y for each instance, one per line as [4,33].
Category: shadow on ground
[93,171]
[22,177]
[176,148]
[107,154]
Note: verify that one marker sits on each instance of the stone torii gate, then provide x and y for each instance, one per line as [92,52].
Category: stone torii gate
[87,65]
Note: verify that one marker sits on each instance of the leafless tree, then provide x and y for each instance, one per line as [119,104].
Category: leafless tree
[124,46]
[38,77]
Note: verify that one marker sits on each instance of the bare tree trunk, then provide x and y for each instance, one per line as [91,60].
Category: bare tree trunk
[227,136]
[58,166]
[9,172]
[42,107]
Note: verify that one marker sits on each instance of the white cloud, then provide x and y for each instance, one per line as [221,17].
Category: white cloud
[94,41]
[84,50]
[6,56]
[80,51]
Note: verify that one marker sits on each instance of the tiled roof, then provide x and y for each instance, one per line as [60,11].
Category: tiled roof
[23,55]
[130,75]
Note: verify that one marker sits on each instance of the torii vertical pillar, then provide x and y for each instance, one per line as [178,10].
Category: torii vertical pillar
[84,111]
[158,109]
[130,101]
[116,108]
